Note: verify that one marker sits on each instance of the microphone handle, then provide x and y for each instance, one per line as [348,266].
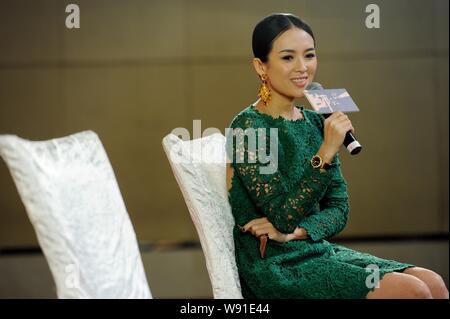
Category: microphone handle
[350,141]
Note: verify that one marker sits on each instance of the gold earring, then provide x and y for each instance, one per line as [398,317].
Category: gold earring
[264,91]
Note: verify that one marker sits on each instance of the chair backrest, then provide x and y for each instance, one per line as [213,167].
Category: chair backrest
[74,203]
[199,167]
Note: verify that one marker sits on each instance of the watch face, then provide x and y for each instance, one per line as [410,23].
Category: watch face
[316,161]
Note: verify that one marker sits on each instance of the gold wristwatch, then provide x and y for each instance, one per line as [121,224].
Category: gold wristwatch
[317,162]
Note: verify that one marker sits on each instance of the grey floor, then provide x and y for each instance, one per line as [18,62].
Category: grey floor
[182,273]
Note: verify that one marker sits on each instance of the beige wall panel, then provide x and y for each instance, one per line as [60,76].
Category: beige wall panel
[340,28]
[393,182]
[162,100]
[28,31]
[31,104]
[219,92]
[122,30]
[442,105]
[224,28]
[441,24]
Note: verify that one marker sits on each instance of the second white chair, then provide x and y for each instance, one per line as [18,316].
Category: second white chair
[72,198]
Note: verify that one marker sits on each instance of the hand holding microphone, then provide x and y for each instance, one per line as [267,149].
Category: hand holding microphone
[338,129]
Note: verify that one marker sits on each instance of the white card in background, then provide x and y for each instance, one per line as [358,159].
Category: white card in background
[331,100]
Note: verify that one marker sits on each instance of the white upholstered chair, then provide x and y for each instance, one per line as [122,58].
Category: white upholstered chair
[74,203]
[199,167]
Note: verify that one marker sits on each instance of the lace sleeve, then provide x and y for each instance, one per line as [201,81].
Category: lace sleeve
[334,208]
[248,148]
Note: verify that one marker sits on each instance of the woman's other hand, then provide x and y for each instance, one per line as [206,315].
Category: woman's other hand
[262,226]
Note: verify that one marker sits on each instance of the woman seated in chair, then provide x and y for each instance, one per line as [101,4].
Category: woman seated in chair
[287,204]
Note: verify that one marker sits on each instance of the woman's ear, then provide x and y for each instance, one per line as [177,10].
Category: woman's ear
[259,66]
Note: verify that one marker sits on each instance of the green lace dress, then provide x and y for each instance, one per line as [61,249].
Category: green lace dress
[294,194]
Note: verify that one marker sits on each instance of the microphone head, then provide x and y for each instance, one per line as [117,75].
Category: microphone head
[314,86]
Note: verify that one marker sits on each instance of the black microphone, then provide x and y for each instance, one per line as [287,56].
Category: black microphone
[350,141]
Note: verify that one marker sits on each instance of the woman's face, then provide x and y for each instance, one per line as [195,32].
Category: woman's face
[292,63]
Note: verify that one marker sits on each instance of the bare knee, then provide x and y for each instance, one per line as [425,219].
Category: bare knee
[433,280]
[419,290]
[437,286]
